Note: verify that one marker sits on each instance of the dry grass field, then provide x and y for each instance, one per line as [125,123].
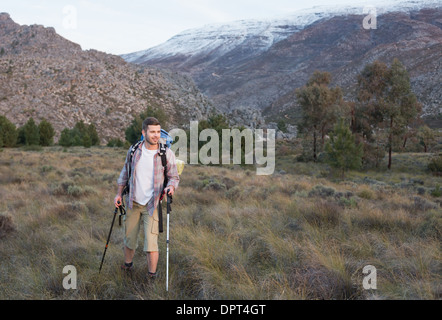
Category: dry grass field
[297,234]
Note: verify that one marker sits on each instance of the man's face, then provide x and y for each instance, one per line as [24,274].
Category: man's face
[152,134]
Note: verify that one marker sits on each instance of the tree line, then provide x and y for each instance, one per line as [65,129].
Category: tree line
[383,117]
[355,134]
[31,134]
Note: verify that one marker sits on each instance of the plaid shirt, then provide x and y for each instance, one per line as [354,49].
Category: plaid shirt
[172,175]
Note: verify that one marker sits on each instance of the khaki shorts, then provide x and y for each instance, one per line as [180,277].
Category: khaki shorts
[133,220]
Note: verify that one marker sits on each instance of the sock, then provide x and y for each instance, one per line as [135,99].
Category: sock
[128,264]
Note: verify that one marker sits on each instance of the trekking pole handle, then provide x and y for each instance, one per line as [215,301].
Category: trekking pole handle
[169,201]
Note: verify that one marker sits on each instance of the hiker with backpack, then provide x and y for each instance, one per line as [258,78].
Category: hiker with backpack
[149,173]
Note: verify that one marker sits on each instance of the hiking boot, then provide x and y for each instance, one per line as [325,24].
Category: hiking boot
[127,266]
[152,275]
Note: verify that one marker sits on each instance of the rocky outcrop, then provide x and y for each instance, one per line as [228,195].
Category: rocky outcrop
[43,75]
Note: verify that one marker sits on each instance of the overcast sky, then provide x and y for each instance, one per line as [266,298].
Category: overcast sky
[124,26]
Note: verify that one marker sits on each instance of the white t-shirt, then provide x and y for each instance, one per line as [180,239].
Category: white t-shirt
[144,176]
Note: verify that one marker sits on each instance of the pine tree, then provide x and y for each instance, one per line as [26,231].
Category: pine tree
[93,134]
[65,138]
[8,133]
[31,133]
[342,151]
[87,141]
[46,132]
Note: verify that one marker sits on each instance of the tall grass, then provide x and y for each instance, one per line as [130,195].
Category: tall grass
[234,235]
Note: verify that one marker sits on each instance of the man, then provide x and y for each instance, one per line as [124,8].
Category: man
[145,188]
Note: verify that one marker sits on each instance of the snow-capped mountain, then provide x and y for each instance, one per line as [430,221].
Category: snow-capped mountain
[262,34]
[223,38]
[257,64]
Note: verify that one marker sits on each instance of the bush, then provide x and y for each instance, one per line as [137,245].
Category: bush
[437,192]
[422,204]
[115,143]
[435,165]
[366,194]
[342,151]
[8,133]
[322,213]
[81,135]
[6,226]
[322,191]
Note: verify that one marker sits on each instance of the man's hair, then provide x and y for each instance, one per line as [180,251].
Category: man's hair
[150,121]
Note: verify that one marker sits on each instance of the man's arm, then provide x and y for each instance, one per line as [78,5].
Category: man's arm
[172,173]
[121,182]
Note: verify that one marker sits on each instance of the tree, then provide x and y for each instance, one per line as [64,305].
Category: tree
[133,132]
[217,122]
[341,150]
[8,133]
[93,134]
[87,141]
[65,138]
[386,103]
[46,132]
[31,133]
[427,137]
[80,135]
[402,106]
[320,106]
[282,125]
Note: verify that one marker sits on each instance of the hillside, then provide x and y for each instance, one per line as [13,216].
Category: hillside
[43,75]
[258,64]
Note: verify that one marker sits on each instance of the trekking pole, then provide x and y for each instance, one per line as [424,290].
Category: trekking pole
[169,201]
[108,237]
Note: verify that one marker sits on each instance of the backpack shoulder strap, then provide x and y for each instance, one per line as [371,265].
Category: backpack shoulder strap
[133,148]
[164,163]
[163,155]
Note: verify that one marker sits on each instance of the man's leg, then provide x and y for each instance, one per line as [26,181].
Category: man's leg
[152,261]
[128,254]
[132,227]
[151,241]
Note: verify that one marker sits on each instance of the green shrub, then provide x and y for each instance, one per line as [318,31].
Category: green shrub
[8,133]
[437,192]
[435,164]
[115,143]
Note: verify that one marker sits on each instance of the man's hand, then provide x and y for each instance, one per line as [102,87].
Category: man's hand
[117,200]
[170,190]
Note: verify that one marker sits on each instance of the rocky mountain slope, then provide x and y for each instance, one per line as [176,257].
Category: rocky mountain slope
[43,75]
[256,65]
